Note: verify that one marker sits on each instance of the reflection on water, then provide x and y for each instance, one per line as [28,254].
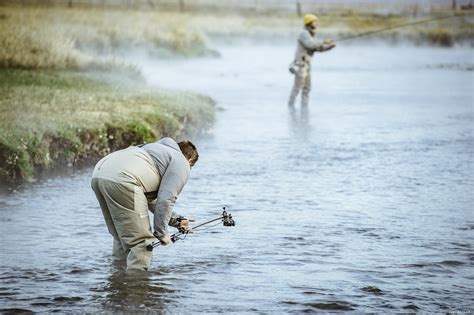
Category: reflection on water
[362,201]
[300,124]
[129,292]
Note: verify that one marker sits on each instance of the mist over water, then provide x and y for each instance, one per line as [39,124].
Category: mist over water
[363,201]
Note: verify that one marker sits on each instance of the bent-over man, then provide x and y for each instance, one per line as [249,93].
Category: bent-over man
[129,182]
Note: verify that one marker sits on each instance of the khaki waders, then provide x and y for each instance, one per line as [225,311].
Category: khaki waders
[302,82]
[120,181]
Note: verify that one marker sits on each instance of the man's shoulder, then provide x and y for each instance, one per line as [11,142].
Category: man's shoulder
[168,142]
[164,144]
[179,166]
[305,34]
[153,146]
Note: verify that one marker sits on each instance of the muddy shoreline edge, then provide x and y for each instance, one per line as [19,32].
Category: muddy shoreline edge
[56,120]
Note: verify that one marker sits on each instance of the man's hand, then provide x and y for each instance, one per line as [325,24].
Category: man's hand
[164,240]
[184,226]
[328,41]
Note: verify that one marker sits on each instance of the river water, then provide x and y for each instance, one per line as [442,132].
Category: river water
[363,201]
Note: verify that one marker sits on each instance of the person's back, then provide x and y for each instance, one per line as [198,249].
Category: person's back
[131,165]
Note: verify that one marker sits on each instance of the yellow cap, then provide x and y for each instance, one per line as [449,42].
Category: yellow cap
[309,18]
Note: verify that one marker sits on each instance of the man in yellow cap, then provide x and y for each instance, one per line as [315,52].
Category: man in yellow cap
[301,66]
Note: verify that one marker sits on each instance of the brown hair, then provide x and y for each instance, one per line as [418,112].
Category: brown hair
[189,151]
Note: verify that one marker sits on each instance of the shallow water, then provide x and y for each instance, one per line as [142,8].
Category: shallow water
[361,202]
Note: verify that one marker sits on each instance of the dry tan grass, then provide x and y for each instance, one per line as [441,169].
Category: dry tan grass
[58,38]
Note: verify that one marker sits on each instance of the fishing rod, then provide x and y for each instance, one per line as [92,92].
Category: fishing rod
[400,26]
[225,218]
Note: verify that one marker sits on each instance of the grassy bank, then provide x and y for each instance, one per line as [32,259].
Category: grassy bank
[52,119]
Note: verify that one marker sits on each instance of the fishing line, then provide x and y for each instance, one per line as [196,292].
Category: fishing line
[206,228]
[401,25]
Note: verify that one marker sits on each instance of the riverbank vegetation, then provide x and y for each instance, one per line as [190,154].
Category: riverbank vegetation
[52,119]
[68,97]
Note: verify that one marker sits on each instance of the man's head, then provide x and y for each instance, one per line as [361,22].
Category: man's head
[310,20]
[189,151]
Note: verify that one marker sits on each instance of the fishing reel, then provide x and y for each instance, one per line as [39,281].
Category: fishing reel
[227,219]
[181,229]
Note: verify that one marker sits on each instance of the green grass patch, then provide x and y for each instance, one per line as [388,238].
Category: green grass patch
[51,119]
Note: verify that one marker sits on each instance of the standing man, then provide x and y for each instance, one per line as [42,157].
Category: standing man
[301,66]
[129,182]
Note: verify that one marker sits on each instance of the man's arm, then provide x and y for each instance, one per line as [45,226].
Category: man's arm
[323,47]
[174,222]
[309,43]
[172,182]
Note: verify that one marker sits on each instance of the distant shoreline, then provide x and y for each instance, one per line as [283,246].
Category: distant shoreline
[91,37]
